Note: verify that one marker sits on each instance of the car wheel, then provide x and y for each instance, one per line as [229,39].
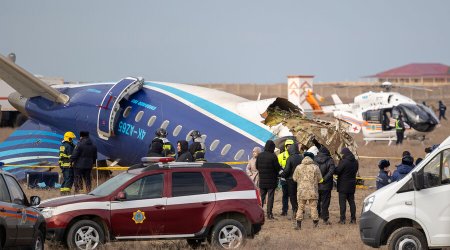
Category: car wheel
[194,243]
[38,241]
[407,238]
[85,234]
[228,234]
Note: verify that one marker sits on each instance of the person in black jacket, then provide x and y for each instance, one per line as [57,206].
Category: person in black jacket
[83,158]
[183,153]
[346,183]
[327,167]
[294,159]
[156,148]
[268,168]
[442,109]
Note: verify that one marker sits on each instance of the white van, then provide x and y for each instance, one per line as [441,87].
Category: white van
[413,213]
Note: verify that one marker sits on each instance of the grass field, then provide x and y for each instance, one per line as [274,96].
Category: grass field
[278,233]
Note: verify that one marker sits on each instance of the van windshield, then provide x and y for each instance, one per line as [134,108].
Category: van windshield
[112,184]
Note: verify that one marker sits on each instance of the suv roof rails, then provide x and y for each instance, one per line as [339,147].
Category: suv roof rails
[160,165]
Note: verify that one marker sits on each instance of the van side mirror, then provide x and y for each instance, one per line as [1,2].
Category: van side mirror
[418,180]
[35,200]
[121,196]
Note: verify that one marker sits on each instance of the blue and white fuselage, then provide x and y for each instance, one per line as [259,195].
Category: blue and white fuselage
[228,128]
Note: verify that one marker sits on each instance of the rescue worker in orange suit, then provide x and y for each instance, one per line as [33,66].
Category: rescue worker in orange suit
[65,151]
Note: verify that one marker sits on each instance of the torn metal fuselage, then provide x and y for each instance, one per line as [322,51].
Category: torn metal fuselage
[331,134]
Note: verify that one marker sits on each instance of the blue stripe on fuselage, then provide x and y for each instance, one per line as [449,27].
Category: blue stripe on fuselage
[27,150]
[35,132]
[224,114]
[26,141]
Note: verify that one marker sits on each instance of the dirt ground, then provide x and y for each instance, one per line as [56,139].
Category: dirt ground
[278,233]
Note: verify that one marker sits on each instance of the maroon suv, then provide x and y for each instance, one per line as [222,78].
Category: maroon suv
[193,201]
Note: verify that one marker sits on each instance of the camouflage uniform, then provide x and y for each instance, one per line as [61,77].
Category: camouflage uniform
[307,175]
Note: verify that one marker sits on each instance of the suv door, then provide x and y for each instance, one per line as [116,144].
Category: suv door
[25,225]
[8,216]
[142,212]
[190,204]
[432,202]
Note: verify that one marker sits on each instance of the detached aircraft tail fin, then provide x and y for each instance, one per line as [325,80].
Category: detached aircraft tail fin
[356,124]
[26,83]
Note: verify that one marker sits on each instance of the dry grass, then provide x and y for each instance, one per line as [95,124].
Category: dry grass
[278,234]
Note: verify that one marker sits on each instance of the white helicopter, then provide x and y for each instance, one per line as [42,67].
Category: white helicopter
[375,113]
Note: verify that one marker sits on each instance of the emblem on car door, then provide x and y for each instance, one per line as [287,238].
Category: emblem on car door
[138,216]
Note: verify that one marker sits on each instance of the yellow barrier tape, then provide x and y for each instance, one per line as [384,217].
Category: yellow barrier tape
[112,168]
[366,178]
[235,162]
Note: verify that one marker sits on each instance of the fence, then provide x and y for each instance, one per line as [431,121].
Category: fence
[346,91]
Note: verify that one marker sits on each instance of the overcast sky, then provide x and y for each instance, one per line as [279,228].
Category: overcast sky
[232,41]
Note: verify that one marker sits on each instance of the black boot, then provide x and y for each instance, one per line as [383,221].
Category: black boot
[326,222]
[316,223]
[270,216]
[294,215]
[298,225]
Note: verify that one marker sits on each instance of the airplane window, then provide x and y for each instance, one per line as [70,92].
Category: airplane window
[214,145]
[225,149]
[126,112]
[188,136]
[177,130]
[239,154]
[151,121]
[165,124]
[139,116]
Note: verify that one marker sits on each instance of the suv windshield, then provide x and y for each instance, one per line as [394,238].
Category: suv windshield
[112,184]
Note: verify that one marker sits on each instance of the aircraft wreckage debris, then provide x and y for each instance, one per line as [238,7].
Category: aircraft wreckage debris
[331,134]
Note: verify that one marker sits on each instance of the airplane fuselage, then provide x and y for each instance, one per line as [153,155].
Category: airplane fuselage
[228,136]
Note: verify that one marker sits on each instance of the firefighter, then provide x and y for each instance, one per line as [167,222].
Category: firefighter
[282,158]
[65,151]
[197,148]
[168,149]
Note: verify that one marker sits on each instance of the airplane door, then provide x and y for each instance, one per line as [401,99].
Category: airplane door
[110,105]
[142,213]
[432,202]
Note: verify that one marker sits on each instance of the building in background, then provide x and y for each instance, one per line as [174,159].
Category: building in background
[429,74]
